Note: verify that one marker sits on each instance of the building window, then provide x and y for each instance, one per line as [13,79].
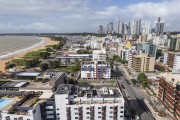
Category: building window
[75,108]
[99,116]
[87,113]
[57,113]
[99,107]
[111,112]
[121,116]
[111,107]
[121,111]
[110,116]
[122,107]
[87,108]
[57,109]
[99,112]
[76,117]
[87,117]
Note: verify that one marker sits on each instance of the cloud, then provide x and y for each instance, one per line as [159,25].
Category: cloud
[80,15]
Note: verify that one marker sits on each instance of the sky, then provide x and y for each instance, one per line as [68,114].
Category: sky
[73,16]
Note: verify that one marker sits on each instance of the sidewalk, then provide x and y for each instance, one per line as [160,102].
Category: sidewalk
[155,114]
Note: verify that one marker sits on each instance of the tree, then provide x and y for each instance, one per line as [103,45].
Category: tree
[88,48]
[115,57]
[146,84]
[133,81]
[49,49]
[158,53]
[32,63]
[55,63]
[44,66]
[10,65]
[132,112]
[141,77]
[44,55]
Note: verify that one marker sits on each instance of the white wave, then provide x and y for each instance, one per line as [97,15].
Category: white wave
[10,54]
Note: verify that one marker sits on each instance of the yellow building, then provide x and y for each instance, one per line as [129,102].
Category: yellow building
[143,63]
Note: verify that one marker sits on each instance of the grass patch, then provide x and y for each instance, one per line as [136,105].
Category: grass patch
[69,69]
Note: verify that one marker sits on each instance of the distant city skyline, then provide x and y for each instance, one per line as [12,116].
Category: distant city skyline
[72,16]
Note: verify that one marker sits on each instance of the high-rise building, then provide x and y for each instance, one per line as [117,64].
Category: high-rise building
[159,27]
[96,70]
[100,29]
[146,26]
[143,63]
[99,55]
[169,92]
[136,27]
[87,103]
[111,27]
[174,42]
[117,25]
[121,28]
[176,65]
[148,48]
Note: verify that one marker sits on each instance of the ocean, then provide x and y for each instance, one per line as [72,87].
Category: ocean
[10,45]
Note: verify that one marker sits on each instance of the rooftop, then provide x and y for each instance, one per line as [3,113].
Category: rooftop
[171,78]
[89,91]
[24,74]
[37,86]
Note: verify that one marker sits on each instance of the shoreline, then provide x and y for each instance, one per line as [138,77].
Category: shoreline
[20,53]
[9,54]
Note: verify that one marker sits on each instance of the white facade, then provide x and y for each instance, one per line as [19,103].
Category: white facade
[165,58]
[31,114]
[146,26]
[125,54]
[95,70]
[99,55]
[176,66]
[83,104]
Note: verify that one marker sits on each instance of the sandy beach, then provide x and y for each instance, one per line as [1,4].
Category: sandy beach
[46,41]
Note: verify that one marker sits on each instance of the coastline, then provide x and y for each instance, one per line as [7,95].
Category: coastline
[20,53]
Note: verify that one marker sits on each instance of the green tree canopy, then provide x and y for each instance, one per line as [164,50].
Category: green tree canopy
[158,53]
[55,63]
[10,65]
[44,55]
[44,66]
[141,77]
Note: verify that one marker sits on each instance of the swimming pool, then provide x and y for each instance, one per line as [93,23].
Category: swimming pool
[4,102]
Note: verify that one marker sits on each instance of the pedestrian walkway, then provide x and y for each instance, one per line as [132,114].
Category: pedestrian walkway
[155,114]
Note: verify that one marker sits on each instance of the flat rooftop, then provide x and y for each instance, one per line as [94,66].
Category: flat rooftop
[171,78]
[24,74]
[89,92]
[37,86]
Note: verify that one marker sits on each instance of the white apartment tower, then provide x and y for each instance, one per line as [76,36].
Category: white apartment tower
[176,65]
[146,26]
[96,70]
[136,27]
[87,103]
[99,55]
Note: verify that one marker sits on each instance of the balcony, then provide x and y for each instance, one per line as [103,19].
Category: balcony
[115,117]
[80,109]
[80,118]
[68,116]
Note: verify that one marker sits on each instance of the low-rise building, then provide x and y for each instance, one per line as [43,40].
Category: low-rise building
[88,103]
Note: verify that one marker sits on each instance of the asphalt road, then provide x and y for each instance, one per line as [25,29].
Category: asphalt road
[136,101]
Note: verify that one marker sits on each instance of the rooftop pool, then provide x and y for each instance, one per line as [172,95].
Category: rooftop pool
[4,102]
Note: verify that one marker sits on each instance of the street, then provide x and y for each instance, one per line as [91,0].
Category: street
[136,100]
